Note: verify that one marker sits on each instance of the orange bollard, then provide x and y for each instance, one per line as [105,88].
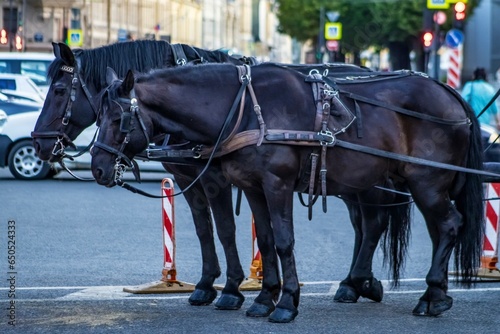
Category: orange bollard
[489,258]
[254,281]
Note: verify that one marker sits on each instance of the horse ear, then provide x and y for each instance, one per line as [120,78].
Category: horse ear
[110,76]
[128,82]
[56,49]
[66,54]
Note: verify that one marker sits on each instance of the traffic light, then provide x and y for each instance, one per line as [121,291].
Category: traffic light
[459,15]
[4,37]
[427,39]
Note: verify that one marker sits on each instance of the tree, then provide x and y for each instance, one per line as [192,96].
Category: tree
[393,24]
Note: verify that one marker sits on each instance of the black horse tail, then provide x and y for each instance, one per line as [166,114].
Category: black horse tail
[469,202]
[397,236]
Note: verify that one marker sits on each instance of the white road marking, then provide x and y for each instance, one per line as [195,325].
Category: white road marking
[103,293]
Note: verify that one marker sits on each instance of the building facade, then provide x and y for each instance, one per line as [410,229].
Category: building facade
[246,27]
[481,47]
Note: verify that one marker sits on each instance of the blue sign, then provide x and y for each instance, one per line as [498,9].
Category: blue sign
[454,38]
[122,35]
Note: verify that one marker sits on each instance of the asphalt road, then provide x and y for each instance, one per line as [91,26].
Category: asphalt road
[79,244]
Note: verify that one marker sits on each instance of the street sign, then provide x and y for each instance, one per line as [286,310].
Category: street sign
[332,45]
[454,38]
[438,4]
[122,35]
[333,30]
[75,37]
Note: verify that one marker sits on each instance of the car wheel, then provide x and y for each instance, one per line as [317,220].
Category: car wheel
[24,164]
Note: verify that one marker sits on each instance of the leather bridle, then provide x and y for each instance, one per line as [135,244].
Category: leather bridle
[61,137]
[122,161]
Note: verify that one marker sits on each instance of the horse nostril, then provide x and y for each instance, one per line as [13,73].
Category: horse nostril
[98,172]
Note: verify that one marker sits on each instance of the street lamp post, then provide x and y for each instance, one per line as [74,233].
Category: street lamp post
[321,36]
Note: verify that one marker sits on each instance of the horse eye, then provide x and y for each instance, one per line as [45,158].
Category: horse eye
[59,90]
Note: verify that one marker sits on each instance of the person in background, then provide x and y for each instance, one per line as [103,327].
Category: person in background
[478,93]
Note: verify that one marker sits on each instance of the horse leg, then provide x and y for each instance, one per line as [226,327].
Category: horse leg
[204,293]
[370,222]
[264,303]
[374,223]
[221,203]
[281,210]
[443,222]
[347,293]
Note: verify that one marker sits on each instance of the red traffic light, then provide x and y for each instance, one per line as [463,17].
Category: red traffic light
[460,11]
[428,37]
[3,37]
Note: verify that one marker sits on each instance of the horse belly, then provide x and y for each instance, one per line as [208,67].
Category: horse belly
[350,171]
[271,165]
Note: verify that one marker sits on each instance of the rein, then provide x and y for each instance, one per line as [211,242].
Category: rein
[322,137]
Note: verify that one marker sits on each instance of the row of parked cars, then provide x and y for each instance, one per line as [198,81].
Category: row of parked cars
[23,86]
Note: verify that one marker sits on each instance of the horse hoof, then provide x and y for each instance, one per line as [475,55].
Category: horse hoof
[421,309]
[438,307]
[433,308]
[229,302]
[283,315]
[373,290]
[258,310]
[202,297]
[346,294]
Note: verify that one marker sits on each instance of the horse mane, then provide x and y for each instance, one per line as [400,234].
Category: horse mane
[199,72]
[141,56]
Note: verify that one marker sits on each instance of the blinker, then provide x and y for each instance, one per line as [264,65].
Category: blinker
[125,121]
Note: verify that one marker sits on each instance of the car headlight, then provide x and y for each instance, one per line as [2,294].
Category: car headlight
[3,119]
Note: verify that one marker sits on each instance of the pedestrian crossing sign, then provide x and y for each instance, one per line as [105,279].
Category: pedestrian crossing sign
[438,4]
[333,30]
[75,37]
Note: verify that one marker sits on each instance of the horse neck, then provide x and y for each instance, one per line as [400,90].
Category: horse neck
[182,111]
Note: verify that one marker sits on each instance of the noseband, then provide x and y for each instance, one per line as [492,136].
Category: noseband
[61,136]
[125,127]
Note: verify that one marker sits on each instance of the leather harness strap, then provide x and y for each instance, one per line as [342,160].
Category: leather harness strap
[179,55]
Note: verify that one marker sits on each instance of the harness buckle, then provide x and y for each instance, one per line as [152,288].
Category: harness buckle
[326,138]
[329,91]
[197,151]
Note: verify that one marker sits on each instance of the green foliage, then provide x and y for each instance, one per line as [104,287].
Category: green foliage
[365,22]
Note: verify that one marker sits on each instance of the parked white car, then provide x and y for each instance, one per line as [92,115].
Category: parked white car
[18,154]
[20,86]
[32,64]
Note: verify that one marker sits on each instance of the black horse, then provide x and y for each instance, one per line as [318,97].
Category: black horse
[412,128]
[71,106]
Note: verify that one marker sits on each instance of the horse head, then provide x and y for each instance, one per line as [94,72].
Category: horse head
[61,119]
[123,131]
